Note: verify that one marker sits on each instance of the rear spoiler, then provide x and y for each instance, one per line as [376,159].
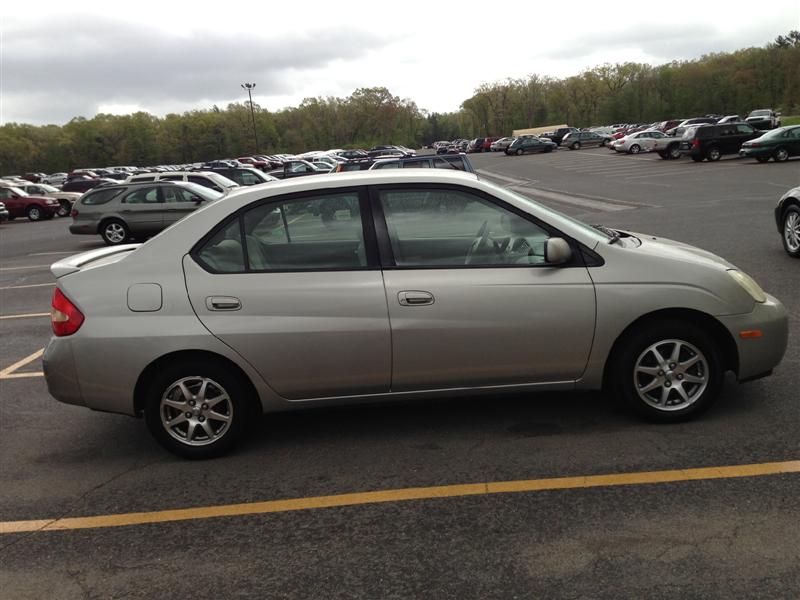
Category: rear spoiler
[75,262]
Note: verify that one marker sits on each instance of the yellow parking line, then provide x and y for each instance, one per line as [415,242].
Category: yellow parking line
[31,285]
[399,495]
[23,268]
[25,316]
[8,372]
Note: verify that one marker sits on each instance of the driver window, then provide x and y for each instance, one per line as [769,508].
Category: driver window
[453,228]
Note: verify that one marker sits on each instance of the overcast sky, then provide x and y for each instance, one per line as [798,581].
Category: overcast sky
[61,60]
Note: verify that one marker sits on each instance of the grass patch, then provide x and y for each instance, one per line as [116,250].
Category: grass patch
[790,120]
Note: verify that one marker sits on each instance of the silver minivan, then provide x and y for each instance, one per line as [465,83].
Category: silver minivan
[389,285]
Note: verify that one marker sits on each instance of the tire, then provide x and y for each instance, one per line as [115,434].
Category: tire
[635,355]
[519,152]
[64,209]
[664,155]
[697,158]
[214,430]
[781,155]
[762,159]
[634,149]
[114,232]
[791,231]
[603,143]
[575,146]
[34,213]
[674,151]
[713,154]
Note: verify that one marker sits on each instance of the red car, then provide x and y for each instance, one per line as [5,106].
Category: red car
[20,204]
[258,164]
[487,143]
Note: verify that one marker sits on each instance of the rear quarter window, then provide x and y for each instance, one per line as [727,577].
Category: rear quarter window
[100,196]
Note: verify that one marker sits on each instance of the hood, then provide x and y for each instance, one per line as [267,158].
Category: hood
[679,251]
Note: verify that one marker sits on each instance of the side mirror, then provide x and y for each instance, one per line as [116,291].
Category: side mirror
[557,251]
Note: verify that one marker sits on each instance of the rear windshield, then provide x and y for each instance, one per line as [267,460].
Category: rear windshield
[100,196]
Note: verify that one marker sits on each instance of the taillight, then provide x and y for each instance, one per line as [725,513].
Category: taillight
[695,143]
[65,317]
[754,145]
[73,213]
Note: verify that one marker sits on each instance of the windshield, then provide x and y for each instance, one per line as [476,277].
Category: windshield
[759,113]
[775,132]
[554,217]
[201,190]
[18,191]
[222,180]
[47,188]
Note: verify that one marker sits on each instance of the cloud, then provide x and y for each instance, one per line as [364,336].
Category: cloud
[71,66]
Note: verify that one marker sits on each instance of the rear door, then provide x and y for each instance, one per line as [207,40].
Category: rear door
[142,209]
[302,299]
[471,300]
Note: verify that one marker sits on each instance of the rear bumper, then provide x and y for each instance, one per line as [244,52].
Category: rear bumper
[758,356]
[754,152]
[83,228]
[60,373]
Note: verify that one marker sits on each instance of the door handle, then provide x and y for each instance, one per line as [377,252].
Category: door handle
[223,303]
[415,298]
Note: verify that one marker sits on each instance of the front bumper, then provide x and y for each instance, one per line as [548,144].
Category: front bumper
[759,355]
[60,372]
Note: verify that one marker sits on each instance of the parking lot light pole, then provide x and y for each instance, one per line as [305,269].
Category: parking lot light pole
[249,87]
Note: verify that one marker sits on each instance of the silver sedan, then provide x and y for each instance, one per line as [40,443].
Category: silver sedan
[390,285]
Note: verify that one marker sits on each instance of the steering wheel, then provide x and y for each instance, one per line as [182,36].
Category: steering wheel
[480,240]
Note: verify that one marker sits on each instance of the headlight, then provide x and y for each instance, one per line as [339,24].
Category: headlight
[749,284]
[52,201]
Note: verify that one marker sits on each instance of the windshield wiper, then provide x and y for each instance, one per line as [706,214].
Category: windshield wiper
[614,236]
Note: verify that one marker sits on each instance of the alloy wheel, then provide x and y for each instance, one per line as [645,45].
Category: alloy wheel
[671,375]
[196,411]
[781,154]
[34,214]
[635,149]
[791,232]
[115,233]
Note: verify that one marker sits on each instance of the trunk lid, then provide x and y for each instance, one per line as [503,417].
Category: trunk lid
[90,259]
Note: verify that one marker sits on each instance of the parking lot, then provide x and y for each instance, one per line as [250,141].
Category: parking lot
[708,524]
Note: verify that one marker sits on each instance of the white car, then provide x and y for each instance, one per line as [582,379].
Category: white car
[55,179]
[641,141]
[215,181]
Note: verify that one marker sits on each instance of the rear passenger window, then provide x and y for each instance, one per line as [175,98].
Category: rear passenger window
[201,181]
[445,163]
[322,232]
[100,196]
[223,253]
[145,195]
[416,164]
[171,178]
[145,178]
[744,129]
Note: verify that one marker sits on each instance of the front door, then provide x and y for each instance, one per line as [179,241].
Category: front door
[302,298]
[471,300]
[178,202]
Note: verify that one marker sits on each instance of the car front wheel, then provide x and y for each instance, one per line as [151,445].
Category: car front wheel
[791,231]
[668,371]
[197,409]
[714,154]
[781,155]
[575,146]
[64,209]
[635,149]
[519,151]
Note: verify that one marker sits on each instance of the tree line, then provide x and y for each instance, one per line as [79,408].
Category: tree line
[719,83]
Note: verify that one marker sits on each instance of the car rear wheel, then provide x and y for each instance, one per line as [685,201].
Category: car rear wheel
[668,371]
[674,151]
[635,149]
[791,231]
[781,155]
[197,409]
[519,151]
[575,146]
[34,213]
[114,232]
[713,154]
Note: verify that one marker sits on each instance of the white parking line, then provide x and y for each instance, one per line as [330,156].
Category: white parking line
[25,316]
[595,205]
[9,372]
[23,268]
[31,285]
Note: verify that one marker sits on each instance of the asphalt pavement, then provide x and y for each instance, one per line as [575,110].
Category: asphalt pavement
[706,538]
